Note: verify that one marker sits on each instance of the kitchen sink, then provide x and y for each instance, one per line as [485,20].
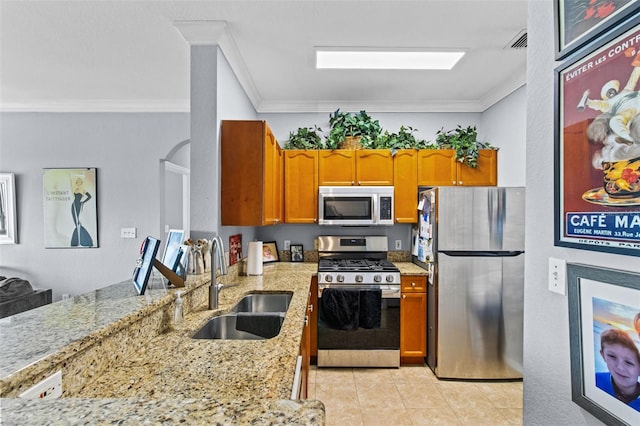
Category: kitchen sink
[242,326]
[264,302]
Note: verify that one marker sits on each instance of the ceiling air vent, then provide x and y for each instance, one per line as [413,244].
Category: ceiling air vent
[519,41]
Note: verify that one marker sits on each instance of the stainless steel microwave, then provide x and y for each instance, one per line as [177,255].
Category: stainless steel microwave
[355,205]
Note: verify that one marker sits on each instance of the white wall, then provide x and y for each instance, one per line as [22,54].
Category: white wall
[547,381]
[126,149]
[504,125]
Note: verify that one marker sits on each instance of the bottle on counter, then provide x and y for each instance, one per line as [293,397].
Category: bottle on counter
[178,315]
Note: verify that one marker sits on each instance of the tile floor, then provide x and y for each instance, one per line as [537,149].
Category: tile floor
[412,395]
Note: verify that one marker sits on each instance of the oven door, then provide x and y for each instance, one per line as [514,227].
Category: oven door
[363,345]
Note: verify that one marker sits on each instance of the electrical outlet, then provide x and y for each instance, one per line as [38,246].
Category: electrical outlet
[287,244]
[398,244]
[128,232]
[315,244]
[49,388]
[558,276]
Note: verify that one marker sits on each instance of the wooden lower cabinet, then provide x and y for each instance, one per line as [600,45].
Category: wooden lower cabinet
[313,323]
[305,352]
[309,341]
[413,318]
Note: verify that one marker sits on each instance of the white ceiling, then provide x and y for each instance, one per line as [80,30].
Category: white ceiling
[129,56]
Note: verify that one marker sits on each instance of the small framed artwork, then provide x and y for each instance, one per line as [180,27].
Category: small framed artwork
[579,21]
[270,252]
[604,328]
[8,209]
[235,249]
[597,145]
[70,208]
[297,253]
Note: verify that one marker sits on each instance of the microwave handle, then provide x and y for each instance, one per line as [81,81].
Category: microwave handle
[374,208]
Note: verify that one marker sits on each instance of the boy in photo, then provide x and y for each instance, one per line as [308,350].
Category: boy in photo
[623,362]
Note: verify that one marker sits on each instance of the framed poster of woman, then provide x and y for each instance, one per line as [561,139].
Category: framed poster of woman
[70,208]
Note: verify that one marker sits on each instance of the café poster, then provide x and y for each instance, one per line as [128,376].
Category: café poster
[598,148]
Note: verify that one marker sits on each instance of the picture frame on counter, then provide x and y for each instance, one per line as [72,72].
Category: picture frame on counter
[70,198]
[597,152]
[270,252]
[297,252]
[578,22]
[8,228]
[604,325]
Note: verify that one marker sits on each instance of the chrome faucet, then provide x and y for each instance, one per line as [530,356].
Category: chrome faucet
[217,254]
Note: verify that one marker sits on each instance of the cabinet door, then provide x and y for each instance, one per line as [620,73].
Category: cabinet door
[437,167]
[413,325]
[486,174]
[301,186]
[242,163]
[304,353]
[337,167]
[405,183]
[313,324]
[374,167]
[272,189]
[413,283]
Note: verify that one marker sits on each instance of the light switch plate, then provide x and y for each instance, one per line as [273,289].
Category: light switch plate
[287,244]
[128,232]
[558,275]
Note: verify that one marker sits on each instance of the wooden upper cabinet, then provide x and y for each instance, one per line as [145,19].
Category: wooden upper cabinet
[251,174]
[486,174]
[405,182]
[337,167]
[347,167]
[439,168]
[301,186]
[374,167]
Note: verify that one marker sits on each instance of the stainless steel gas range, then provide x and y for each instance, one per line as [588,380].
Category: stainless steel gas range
[358,303]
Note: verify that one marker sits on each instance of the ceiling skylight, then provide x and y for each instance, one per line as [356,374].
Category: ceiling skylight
[386,60]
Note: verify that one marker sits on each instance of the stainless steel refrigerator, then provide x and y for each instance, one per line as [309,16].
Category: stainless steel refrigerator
[471,240]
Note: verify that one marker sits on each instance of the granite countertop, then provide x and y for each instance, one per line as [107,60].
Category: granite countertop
[174,377]
[175,364]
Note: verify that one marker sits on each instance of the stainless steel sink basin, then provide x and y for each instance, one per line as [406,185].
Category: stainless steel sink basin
[264,302]
[242,326]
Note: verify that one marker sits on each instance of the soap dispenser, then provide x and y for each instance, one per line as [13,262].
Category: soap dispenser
[178,315]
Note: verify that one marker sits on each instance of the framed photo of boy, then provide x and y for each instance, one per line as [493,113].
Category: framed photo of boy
[270,252]
[604,330]
[297,253]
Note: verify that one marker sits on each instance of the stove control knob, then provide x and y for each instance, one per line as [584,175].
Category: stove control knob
[340,278]
[389,278]
[328,278]
[359,278]
[377,278]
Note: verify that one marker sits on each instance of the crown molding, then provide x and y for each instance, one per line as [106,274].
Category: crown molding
[97,105]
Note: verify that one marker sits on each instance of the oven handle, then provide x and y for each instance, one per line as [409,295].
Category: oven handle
[388,292]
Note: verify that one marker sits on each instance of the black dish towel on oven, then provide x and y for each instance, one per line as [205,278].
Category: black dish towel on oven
[370,308]
[340,308]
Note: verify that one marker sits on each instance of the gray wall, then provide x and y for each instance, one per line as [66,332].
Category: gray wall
[126,149]
[547,381]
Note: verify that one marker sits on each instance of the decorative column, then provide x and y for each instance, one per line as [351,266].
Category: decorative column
[203,37]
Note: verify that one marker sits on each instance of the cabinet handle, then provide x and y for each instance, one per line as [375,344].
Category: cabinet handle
[404,296]
[453,183]
[359,183]
[352,183]
[413,284]
[460,183]
[306,320]
[310,308]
